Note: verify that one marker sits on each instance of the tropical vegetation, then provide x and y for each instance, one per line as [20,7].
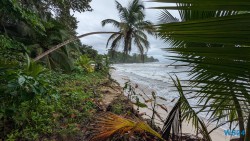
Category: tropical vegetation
[49,80]
[45,100]
[117,57]
[132,28]
[212,39]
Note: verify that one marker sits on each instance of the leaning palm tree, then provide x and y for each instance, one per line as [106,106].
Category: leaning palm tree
[132,28]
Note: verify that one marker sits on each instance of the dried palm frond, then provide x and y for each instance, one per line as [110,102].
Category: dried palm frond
[108,125]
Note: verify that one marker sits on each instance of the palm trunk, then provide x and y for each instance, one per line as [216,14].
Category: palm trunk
[127,43]
[67,42]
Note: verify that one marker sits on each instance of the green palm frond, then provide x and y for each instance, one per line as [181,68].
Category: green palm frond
[58,59]
[140,33]
[183,111]
[116,42]
[212,39]
[173,121]
[222,30]
[142,40]
[112,37]
[208,5]
[146,26]
[166,17]
[123,12]
[111,21]
[220,77]
[140,47]
[132,28]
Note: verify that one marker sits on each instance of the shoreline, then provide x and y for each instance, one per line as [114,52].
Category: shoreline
[216,135]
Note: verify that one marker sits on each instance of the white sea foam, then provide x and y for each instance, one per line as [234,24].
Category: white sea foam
[156,76]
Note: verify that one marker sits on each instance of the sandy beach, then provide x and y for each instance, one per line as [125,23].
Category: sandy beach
[216,135]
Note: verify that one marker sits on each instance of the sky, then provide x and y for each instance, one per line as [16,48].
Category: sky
[106,9]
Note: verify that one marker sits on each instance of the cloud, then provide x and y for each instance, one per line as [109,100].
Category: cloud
[106,9]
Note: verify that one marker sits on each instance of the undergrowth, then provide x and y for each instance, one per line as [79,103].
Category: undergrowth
[61,116]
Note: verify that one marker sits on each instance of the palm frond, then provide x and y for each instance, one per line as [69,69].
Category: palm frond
[173,122]
[183,111]
[111,21]
[166,17]
[58,59]
[140,47]
[144,42]
[135,10]
[132,28]
[112,37]
[210,40]
[222,30]
[116,42]
[209,5]
[146,26]
[108,125]
[123,12]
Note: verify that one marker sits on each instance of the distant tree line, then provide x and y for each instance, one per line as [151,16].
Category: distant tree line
[119,57]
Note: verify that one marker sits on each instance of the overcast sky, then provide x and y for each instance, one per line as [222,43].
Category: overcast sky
[106,9]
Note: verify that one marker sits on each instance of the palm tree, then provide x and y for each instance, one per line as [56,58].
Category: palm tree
[132,27]
[213,39]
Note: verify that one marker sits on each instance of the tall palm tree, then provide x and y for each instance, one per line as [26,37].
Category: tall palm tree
[132,28]
[213,39]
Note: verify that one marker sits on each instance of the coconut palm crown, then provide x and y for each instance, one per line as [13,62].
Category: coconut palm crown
[132,28]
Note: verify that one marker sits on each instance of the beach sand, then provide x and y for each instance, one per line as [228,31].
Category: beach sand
[216,135]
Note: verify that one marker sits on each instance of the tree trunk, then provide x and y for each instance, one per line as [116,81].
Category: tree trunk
[67,42]
[127,41]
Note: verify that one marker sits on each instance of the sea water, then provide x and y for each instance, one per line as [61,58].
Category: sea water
[157,77]
[154,76]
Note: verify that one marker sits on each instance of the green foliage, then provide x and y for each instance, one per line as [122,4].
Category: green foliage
[38,104]
[183,111]
[11,50]
[34,120]
[117,108]
[102,64]
[23,84]
[85,63]
[16,11]
[206,5]
[209,38]
[23,89]
[33,27]
[89,51]
[132,28]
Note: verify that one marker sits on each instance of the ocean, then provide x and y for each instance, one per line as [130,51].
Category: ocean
[153,76]
[156,76]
